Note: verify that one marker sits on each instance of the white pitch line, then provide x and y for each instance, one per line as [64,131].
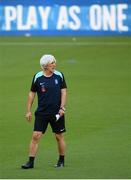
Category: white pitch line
[64,43]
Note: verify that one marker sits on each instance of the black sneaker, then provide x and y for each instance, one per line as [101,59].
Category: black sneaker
[28,165]
[59,164]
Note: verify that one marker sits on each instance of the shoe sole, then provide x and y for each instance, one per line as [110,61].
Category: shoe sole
[23,167]
[59,166]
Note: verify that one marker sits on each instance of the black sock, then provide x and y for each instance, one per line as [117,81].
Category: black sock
[61,158]
[31,159]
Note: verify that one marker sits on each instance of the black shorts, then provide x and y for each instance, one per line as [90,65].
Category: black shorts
[42,121]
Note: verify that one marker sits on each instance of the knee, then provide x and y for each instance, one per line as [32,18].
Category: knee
[59,137]
[36,136]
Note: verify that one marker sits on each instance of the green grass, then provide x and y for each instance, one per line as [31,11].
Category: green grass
[98,115]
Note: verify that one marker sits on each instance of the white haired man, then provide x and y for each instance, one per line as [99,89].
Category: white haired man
[50,87]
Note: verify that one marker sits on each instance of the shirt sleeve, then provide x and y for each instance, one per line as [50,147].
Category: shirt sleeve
[63,84]
[33,85]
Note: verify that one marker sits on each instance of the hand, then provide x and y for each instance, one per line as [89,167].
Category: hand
[29,116]
[61,112]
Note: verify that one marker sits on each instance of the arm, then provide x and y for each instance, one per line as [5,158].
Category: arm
[63,101]
[30,100]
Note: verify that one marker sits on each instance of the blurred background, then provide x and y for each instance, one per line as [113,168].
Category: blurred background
[41,17]
[91,40]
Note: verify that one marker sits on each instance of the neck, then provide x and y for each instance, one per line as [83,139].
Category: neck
[47,73]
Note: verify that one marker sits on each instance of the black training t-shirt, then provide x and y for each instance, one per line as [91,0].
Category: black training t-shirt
[49,92]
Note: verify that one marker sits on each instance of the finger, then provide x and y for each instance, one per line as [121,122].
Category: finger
[61,113]
[29,118]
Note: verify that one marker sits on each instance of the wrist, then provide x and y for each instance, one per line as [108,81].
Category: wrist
[62,108]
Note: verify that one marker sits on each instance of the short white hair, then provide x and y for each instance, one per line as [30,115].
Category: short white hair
[47,59]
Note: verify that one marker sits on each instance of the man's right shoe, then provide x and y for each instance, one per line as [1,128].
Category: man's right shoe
[28,165]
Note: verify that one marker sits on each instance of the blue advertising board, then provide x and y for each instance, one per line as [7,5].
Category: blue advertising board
[76,17]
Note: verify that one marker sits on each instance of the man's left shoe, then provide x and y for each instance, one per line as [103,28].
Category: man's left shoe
[59,164]
[28,165]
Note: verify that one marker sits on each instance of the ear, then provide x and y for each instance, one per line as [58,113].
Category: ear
[42,67]
[45,67]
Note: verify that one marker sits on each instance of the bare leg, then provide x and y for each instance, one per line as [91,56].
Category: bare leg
[61,143]
[34,143]
[61,150]
[32,150]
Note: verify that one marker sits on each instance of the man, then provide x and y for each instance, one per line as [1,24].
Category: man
[50,87]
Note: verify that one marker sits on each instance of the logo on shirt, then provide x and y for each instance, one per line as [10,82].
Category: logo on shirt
[42,87]
[56,81]
[42,83]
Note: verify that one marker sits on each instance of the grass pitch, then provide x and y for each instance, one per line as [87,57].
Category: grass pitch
[98,117]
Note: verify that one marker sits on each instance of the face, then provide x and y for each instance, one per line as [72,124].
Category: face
[50,67]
